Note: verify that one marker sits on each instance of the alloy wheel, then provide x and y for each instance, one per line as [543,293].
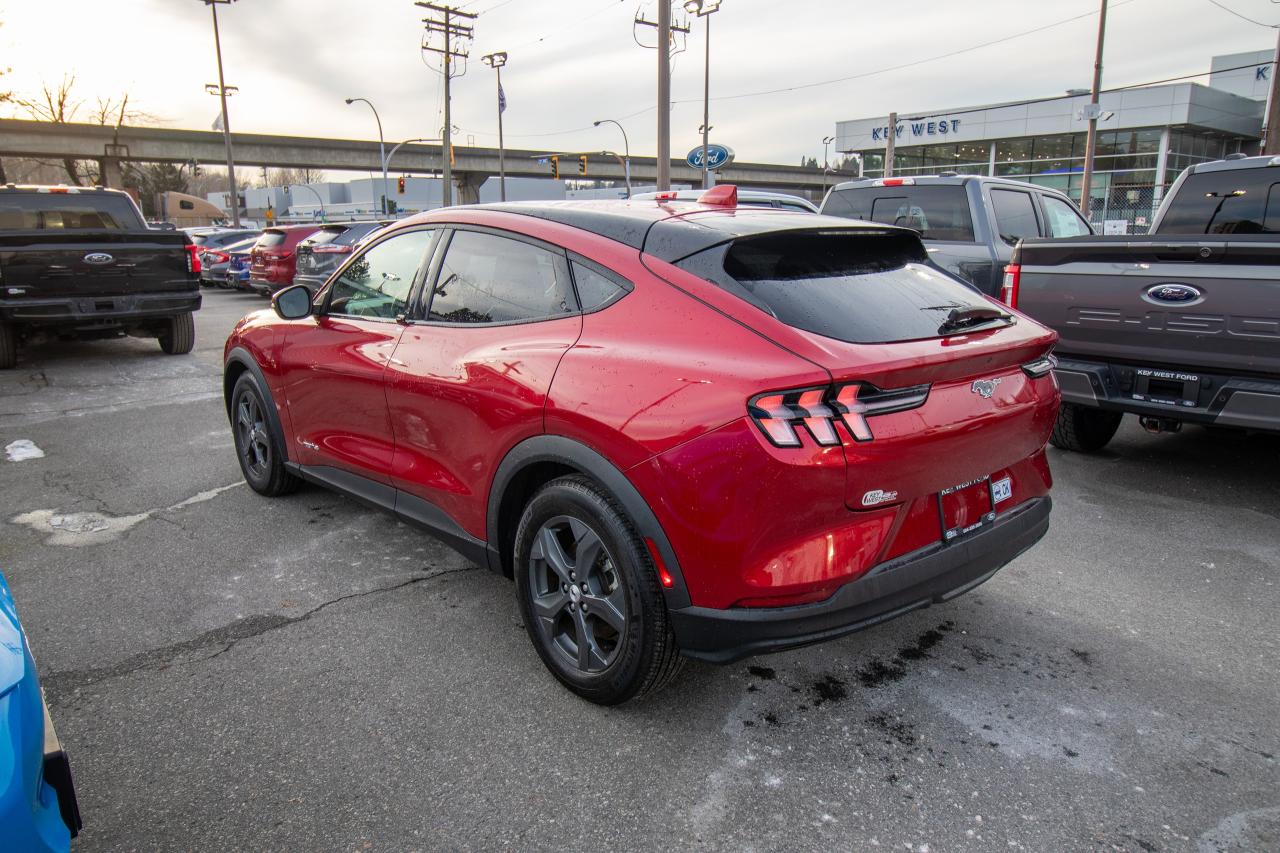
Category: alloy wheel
[577,594]
[251,430]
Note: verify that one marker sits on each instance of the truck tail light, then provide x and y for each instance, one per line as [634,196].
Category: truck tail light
[1009,287]
[193,258]
[778,414]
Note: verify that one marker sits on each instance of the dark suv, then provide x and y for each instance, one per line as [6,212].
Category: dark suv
[324,251]
[969,223]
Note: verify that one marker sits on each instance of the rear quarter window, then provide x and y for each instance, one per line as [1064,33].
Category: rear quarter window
[858,286]
[934,212]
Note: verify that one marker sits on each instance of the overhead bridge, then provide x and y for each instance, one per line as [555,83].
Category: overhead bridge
[471,166]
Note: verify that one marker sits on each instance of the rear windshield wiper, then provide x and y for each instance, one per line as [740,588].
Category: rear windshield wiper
[966,318]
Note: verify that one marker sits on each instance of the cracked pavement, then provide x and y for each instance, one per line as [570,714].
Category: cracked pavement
[306,673]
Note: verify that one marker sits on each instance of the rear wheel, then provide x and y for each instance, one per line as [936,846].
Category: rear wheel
[8,347]
[589,594]
[179,335]
[257,445]
[1082,429]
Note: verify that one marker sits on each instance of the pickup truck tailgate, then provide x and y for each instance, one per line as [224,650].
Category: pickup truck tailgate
[1210,304]
[94,263]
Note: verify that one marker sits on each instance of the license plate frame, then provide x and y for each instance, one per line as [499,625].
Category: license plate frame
[972,507]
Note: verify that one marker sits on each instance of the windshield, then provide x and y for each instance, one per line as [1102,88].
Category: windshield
[1235,201]
[859,287]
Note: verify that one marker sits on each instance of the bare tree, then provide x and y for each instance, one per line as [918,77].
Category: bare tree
[287,176]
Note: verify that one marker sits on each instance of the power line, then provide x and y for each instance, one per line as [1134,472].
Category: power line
[1244,17]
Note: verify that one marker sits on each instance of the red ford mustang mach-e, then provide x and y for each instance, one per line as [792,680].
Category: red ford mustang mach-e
[700,431]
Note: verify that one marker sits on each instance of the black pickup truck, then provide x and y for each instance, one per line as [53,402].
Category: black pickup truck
[1182,325]
[80,261]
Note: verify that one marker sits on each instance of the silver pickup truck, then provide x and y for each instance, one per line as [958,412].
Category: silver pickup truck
[1182,325]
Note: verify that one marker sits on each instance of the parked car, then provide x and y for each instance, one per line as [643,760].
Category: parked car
[214,238]
[214,261]
[1181,326]
[38,807]
[969,223]
[322,252]
[83,262]
[273,262]
[746,198]
[237,274]
[764,429]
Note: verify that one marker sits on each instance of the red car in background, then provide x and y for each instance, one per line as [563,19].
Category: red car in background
[694,430]
[274,259]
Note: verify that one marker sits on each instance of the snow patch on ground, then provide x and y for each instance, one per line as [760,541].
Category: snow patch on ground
[22,450]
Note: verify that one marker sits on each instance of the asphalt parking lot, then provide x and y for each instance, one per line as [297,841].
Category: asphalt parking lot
[231,672]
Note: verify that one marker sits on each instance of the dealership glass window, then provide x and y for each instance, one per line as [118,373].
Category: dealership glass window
[1052,149]
[973,152]
[1015,215]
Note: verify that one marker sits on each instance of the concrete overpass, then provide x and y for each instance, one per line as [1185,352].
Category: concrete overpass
[112,146]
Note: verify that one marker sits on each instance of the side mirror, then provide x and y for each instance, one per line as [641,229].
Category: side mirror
[292,303]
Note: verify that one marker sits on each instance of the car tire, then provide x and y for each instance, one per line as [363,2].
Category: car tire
[179,336]
[258,448]
[623,649]
[1083,429]
[8,347]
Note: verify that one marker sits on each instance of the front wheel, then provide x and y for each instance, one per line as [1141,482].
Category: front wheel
[178,337]
[257,445]
[589,594]
[1083,429]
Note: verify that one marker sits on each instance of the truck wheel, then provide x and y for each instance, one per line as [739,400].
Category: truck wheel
[1082,429]
[589,594]
[180,336]
[8,347]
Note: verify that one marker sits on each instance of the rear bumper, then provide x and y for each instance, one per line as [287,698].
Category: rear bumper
[96,310]
[936,573]
[1217,399]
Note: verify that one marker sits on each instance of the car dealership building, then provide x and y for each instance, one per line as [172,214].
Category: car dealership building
[1146,137]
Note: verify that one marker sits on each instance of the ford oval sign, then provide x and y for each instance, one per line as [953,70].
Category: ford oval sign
[1173,294]
[718,156]
[98,259]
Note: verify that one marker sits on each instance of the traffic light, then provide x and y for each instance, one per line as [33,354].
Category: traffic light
[400,185]
[582,164]
[555,165]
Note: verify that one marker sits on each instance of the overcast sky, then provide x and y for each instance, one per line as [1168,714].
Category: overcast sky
[573,61]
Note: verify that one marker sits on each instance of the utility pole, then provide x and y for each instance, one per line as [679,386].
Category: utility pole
[1091,140]
[233,195]
[704,9]
[496,61]
[1271,142]
[888,145]
[446,25]
[665,29]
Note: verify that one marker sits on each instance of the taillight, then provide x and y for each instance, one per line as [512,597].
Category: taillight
[1040,367]
[894,182]
[329,249]
[1009,287]
[818,410]
[193,258]
[215,257]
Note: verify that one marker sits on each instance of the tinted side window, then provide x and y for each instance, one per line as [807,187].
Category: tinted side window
[1227,202]
[489,279]
[937,212]
[594,289]
[377,283]
[1063,220]
[1015,215]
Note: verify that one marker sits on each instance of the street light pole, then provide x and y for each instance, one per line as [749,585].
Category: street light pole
[234,195]
[826,164]
[626,147]
[1091,140]
[382,151]
[382,146]
[704,9]
[496,61]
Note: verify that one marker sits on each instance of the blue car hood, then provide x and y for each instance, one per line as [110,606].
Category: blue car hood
[12,660]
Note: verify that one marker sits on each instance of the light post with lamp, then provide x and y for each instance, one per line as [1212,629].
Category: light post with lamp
[626,147]
[496,61]
[382,151]
[704,9]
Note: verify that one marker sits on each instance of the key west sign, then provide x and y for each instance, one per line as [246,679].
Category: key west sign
[917,129]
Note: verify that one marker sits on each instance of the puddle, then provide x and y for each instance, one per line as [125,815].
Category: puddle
[22,450]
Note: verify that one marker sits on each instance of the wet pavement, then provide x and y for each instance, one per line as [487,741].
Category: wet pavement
[232,672]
